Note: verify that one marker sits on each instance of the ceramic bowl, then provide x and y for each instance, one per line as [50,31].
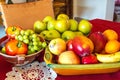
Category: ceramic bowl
[81,69]
[18,60]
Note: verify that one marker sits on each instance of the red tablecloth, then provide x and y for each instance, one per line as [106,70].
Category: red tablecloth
[98,25]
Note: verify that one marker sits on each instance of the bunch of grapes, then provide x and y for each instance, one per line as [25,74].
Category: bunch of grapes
[31,39]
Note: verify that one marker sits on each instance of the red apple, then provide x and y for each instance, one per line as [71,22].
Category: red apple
[98,40]
[90,59]
[82,45]
[69,45]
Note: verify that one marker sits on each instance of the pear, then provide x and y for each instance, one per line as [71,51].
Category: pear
[52,34]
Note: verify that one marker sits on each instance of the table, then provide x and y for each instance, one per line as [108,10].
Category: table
[98,25]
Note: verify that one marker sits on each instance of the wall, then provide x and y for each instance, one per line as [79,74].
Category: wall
[91,9]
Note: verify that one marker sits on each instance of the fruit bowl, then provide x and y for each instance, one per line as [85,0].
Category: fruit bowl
[81,69]
[18,60]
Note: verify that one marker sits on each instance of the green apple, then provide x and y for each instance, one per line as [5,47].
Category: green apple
[52,34]
[73,24]
[62,16]
[51,25]
[62,25]
[47,19]
[43,34]
[39,26]
[78,33]
[68,35]
[84,26]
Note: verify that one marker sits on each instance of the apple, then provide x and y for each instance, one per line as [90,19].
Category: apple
[62,25]
[68,57]
[47,19]
[98,40]
[62,16]
[84,26]
[90,59]
[73,24]
[51,25]
[39,26]
[52,34]
[69,45]
[68,35]
[57,46]
[82,45]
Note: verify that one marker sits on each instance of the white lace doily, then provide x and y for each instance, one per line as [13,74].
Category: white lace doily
[32,71]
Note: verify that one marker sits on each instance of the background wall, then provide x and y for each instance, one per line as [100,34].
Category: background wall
[91,9]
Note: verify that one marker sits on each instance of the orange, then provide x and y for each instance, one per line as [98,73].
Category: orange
[112,46]
[110,34]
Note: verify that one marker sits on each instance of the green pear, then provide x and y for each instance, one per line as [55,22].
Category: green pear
[51,25]
[62,25]
[73,24]
[39,26]
[78,33]
[43,34]
[68,35]
[52,34]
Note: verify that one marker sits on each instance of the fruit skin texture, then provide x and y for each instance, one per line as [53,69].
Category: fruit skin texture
[69,45]
[57,46]
[108,58]
[62,25]
[68,57]
[110,34]
[98,40]
[15,47]
[112,46]
[11,31]
[62,16]
[73,25]
[84,26]
[90,59]
[68,35]
[82,45]
[39,26]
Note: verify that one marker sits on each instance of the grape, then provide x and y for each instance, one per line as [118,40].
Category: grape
[35,43]
[44,44]
[20,37]
[31,39]
[22,32]
[26,41]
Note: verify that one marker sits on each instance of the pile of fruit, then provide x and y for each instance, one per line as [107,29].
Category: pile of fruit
[22,41]
[85,48]
[61,27]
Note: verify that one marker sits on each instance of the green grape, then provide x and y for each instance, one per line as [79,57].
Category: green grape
[40,43]
[27,32]
[17,32]
[32,50]
[16,37]
[22,32]
[25,37]
[35,43]
[34,35]
[36,48]
[20,38]
[29,52]
[44,44]
[26,41]
[30,43]
[31,32]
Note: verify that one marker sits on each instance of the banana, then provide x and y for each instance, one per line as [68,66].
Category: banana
[107,58]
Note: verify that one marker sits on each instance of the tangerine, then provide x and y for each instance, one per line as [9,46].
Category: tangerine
[112,46]
[110,34]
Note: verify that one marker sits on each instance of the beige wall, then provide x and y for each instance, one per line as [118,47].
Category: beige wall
[91,9]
